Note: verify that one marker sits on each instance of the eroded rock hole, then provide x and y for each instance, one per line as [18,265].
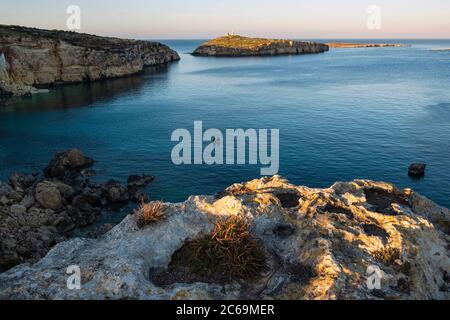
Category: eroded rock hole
[338,209]
[283,231]
[382,200]
[229,253]
[301,274]
[288,199]
[376,231]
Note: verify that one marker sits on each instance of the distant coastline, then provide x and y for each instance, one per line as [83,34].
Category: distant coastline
[363,45]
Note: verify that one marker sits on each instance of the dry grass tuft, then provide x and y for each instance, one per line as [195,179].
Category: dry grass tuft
[388,255]
[148,213]
[228,253]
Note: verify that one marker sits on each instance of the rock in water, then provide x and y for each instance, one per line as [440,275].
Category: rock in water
[324,246]
[67,164]
[139,181]
[238,46]
[417,170]
[32,57]
[48,195]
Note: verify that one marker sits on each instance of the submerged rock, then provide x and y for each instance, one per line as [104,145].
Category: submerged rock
[139,181]
[324,245]
[417,170]
[31,58]
[238,46]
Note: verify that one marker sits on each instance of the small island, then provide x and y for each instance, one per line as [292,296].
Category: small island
[238,46]
[348,45]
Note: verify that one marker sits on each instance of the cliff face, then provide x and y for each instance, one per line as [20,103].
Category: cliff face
[329,243]
[31,58]
[237,46]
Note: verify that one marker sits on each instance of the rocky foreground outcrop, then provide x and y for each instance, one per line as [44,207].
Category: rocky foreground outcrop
[238,46]
[318,243]
[32,58]
[38,211]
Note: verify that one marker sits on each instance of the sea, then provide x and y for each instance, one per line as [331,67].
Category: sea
[364,113]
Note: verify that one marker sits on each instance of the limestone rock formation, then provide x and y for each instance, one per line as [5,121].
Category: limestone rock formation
[41,210]
[318,244]
[32,58]
[238,46]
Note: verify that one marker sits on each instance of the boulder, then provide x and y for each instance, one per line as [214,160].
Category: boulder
[64,223]
[28,201]
[82,202]
[76,160]
[139,197]
[66,163]
[135,181]
[21,180]
[115,192]
[65,190]
[417,170]
[48,195]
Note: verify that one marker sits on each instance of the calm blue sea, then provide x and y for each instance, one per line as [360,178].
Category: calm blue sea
[346,114]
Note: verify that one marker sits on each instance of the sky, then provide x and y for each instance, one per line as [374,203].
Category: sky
[203,19]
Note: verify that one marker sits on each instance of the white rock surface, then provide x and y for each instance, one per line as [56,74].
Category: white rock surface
[319,244]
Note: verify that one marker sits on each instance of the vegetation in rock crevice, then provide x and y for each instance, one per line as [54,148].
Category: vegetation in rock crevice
[149,213]
[228,253]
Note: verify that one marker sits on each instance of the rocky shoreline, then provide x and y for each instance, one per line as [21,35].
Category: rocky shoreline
[31,59]
[347,45]
[238,46]
[317,244]
[40,210]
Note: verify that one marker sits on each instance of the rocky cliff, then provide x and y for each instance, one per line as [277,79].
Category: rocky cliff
[301,243]
[237,46]
[33,58]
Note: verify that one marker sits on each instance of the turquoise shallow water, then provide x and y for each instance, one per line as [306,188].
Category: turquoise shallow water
[345,114]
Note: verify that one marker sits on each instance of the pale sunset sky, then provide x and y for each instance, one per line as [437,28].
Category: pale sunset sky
[201,19]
